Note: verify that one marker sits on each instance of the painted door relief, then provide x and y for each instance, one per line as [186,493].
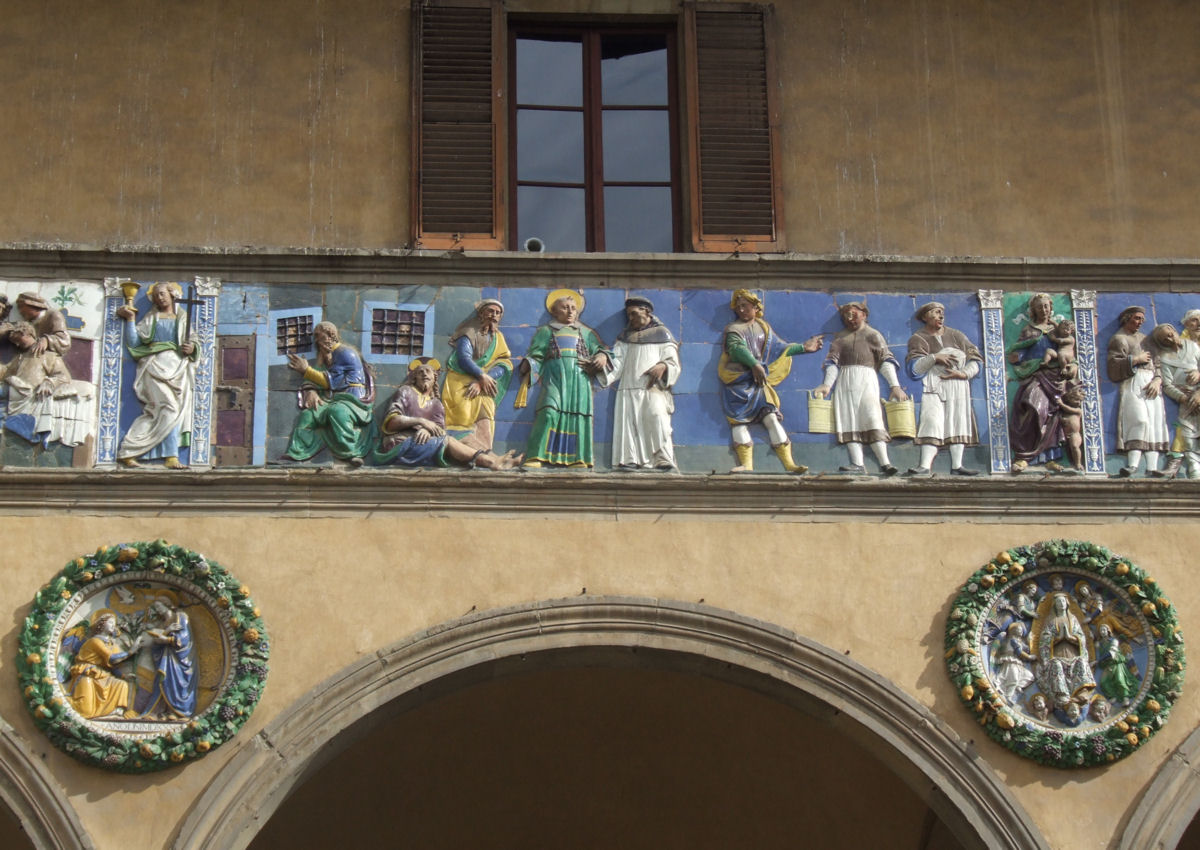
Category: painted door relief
[157,373]
[1042,381]
[234,400]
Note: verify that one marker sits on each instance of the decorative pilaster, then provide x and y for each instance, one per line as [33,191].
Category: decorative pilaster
[108,428]
[991,302]
[1083,306]
[205,336]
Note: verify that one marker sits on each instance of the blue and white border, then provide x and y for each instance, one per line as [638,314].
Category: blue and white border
[208,289]
[108,435]
[991,302]
[1083,305]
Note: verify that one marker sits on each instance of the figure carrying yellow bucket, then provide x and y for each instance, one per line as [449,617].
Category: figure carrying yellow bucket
[855,356]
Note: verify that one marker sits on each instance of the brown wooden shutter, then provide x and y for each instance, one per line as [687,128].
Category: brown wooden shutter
[458,83]
[736,199]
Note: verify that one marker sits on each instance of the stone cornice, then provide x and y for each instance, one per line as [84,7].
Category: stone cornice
[703,271]
[326,491]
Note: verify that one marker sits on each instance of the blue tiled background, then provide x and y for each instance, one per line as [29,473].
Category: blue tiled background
[697,319]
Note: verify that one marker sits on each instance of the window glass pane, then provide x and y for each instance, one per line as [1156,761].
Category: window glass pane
[637,218]
[637,145]
[633,70]
[550,146]
[556,216]
[550,73]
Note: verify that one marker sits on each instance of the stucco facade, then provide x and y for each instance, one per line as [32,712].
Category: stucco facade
[925,151]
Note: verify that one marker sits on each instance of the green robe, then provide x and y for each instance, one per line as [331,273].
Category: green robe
[1117,682]
[345,423]
[562,427]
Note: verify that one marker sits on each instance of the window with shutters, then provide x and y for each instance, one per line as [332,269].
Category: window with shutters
[604,135]
[458,95]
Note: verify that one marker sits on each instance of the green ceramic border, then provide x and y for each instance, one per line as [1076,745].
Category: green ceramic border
[1047,746]
[219,722]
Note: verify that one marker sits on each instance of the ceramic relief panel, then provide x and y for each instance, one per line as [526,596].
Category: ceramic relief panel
[142,656]
[1065,652]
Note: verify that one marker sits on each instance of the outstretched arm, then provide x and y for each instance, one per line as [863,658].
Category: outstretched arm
[813,343]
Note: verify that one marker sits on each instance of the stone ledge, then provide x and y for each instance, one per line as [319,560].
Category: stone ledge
[508,268]
[327,491]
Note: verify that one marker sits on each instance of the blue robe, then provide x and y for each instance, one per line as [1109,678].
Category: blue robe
[743,400]
[174,674]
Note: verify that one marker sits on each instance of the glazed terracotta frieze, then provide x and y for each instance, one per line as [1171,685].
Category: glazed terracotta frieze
[189,375]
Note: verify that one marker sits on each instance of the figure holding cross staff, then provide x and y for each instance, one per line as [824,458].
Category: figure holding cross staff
[166,354]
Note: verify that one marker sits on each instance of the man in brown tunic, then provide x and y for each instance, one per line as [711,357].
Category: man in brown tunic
[944,361]
[856,355]
[48,323]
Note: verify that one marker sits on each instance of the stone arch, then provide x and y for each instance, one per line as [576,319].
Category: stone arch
[1169,804]
[37,800]
[907,737]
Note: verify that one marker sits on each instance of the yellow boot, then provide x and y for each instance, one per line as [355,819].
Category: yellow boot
[784,452]
[745,457]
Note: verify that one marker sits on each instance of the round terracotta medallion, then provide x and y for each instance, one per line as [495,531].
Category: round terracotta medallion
[1066,653]
[142,656]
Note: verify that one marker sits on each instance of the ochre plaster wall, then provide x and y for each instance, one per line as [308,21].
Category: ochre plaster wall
[210,124]
[333,590]
[991,129]
[965,129]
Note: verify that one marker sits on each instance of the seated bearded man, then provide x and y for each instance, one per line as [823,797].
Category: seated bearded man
[336,399]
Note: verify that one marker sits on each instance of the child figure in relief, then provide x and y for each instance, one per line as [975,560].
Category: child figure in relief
[1063,352]
[1071,406]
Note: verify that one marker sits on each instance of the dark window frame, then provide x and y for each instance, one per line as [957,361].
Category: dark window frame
[590,32]
[388,336]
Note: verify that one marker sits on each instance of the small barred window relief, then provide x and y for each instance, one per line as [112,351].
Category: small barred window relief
[398,332]
[293,334]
